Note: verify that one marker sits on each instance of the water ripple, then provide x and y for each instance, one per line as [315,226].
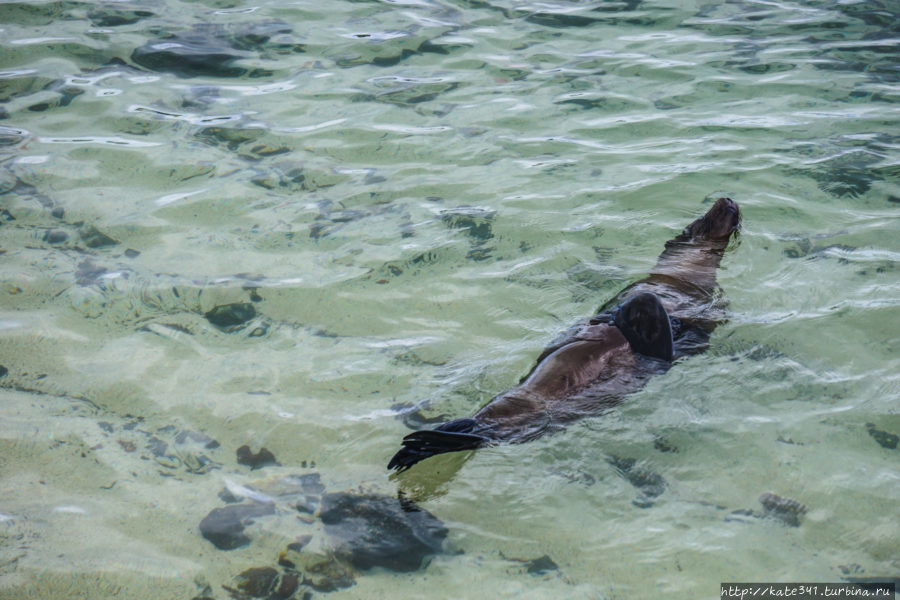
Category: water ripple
[285,225]
[113,141]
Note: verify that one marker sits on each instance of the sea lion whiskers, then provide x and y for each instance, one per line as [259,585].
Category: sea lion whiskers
[719,223]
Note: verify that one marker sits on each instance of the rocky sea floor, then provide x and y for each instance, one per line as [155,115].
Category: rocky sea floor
[245,249]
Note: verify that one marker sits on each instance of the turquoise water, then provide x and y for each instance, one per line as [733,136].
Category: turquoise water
[402,202]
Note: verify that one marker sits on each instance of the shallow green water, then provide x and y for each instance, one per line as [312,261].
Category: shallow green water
[414,198]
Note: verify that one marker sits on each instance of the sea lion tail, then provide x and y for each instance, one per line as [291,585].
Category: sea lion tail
[449,437]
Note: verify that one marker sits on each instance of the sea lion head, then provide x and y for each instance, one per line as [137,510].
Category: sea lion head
[718,224]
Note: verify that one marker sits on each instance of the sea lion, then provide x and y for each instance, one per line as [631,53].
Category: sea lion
[591,367]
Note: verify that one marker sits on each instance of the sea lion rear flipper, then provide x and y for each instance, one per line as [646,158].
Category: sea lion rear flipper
[449,437]
[644,322]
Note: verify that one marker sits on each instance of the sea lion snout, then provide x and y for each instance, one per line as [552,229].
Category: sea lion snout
[727,215]
[722,220]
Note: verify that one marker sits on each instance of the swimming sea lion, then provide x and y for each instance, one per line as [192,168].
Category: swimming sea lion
[591,367]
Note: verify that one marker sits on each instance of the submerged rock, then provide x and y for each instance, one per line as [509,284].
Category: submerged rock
[329,575]
[264,582]
[263,458]
[535,566]
[191,53]
[476,222]
[224,527]
[94,238]
[784,509]
[774,507]
[649,485]
[258,582]
[231,316]
[884,438]
[541,565]
[209,49]
[109,15]
[378,531]
[333,536]
[55,236]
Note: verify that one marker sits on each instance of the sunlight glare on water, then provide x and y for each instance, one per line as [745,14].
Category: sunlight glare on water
[308,227]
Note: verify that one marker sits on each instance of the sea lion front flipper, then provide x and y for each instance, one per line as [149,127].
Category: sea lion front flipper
[644,322]
[449,437]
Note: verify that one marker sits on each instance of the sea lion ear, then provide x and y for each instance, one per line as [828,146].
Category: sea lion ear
[644,322]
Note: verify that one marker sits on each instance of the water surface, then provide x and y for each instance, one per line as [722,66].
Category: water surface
[402,202]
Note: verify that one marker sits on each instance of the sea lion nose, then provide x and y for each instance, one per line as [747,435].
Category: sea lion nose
[728,204]
[730,208]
